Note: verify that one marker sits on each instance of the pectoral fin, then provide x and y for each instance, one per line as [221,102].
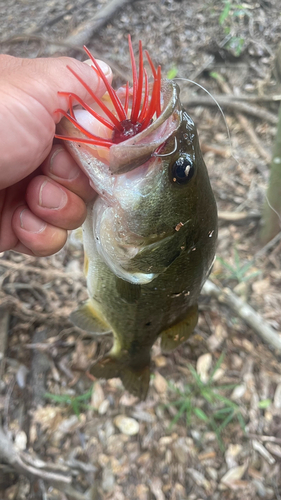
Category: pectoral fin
[164,252]
[176,334]
[135,381]
[86,318]
[128,292]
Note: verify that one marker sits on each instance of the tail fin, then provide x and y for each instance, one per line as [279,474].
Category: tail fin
[135,381]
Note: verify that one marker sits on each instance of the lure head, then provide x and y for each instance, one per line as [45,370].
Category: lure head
[125,127]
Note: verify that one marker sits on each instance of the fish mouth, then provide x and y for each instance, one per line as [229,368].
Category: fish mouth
[137,150]
[126,127]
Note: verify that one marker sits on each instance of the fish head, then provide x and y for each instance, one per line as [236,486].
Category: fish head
[154,199]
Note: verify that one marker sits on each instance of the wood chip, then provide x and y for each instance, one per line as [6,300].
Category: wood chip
[275,449]
[263,452]
[231,478]
[206,455]
[231,455]
[97,397]
[156,488]
[203,366]
[160,383]
[126,425]
[20,440]
[199,479]
[277,397]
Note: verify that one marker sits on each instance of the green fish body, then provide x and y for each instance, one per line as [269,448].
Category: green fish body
[149,241]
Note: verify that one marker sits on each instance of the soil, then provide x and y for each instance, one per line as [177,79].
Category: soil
[79,431]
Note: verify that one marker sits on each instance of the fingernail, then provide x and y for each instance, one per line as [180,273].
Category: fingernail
[103,66]
[30,222]
[51,196]
[62,166]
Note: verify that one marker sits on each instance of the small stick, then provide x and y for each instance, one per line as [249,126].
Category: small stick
[8,454]
[247,127]
[83,33]
[268,246]
[244,311]
[242,107]
[238,216]
[228,99]
[48,273]
[4,326]
[205,148]
[270,439]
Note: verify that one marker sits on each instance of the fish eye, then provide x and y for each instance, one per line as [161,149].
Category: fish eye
[182,169]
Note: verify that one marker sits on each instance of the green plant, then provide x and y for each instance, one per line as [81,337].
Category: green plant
[238,271]
[225,12]
[77,403]
[236,44]
[232,10]
[264,404]
[230,13]
[172,73]
[205,402]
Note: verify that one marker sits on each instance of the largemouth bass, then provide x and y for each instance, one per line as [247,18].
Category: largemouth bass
[150,234]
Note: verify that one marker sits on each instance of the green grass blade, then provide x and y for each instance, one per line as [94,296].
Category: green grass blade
[216,367]
[225,13]
[177,416]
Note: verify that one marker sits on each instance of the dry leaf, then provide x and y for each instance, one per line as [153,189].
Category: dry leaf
[232,454]
[97,396]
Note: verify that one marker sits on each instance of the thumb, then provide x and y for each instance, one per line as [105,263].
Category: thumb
[44,78]
[28,101]
[65,81]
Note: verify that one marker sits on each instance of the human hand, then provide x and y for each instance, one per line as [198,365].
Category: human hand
[43,192]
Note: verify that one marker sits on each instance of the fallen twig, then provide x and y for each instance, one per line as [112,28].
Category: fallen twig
[15,305]
[268,246]
[227,99]
[54,20]
[4,325]
[246,125]
[238,217]
[83,33]
[11,456]
[48,273]
[237,105]
[269,439]
[219,151]
[244,311]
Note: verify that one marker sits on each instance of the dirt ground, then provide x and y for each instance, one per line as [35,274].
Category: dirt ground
[211,425]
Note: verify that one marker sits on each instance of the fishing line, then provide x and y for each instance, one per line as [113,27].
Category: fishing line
[228,134]
[220,109]
[168,154]
[273,209]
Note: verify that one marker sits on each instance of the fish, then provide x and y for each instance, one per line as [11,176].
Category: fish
[150,233]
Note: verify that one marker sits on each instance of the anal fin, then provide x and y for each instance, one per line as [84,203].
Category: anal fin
[180,332]
[88,319]
[135,381]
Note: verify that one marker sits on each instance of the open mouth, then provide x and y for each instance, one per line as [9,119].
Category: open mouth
[132,123]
